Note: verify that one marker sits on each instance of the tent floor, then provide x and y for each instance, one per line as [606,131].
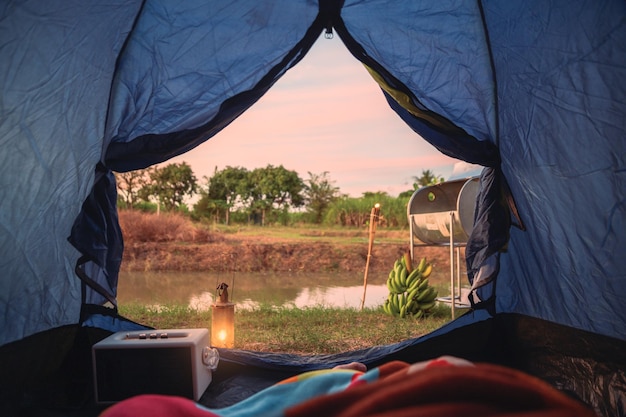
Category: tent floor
[587,366]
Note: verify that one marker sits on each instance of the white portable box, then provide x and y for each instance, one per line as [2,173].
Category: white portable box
[170,362]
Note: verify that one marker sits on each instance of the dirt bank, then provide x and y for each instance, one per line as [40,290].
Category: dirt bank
[252,256]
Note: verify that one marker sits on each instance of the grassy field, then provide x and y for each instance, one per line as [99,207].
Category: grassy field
[308,331]
[309,233]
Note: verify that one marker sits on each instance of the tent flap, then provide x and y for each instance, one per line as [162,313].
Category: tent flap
[57,60]
[178,84]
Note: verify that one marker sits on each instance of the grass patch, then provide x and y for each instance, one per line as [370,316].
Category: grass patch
[306,331]
[312,233]
[140,226]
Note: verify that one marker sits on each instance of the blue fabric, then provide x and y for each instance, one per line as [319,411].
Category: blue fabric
[112,323]
[57,60]
[438,50]
[98,236]
[490,235]
[276,399]
[563,150]
[372,356]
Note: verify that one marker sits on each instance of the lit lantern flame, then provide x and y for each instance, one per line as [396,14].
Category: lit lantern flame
[221,335]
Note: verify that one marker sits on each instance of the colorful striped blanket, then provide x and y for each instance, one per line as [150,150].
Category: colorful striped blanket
[441,387]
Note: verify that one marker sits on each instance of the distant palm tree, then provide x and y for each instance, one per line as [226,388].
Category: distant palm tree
[428,178]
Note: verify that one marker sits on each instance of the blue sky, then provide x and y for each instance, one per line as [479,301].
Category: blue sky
[325,114]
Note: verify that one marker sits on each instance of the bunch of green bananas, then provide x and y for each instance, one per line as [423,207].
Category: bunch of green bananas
[409,291]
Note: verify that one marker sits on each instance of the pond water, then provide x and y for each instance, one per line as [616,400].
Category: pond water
[248,290]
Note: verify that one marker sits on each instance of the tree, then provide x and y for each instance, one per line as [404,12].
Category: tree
[206,207]
[427,178]
[130,183]
[222,191]
[170,185]
[273,188]
[319,193]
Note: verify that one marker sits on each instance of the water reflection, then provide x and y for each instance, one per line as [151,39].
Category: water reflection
[197,289]
[345,297]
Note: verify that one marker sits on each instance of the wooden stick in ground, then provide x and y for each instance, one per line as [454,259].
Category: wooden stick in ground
[373,221]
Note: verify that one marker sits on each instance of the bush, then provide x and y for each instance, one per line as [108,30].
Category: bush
[138,226]
[355,212]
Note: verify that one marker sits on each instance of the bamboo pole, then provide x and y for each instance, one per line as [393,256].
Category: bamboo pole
[373,222]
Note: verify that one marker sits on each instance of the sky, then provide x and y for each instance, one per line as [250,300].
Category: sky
[325,115]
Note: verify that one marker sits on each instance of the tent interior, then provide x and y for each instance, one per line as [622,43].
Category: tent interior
[531,90]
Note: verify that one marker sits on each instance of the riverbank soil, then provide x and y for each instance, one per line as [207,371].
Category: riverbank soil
[270,257]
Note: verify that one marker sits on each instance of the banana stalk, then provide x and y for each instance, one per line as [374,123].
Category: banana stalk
[409,291]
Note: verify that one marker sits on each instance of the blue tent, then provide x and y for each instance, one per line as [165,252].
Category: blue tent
[532,90]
